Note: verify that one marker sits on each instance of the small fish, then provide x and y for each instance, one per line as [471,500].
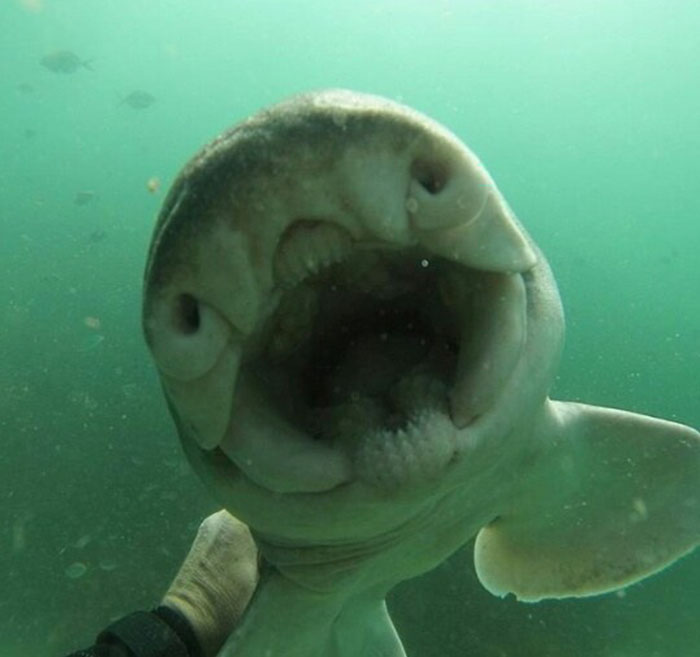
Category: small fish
[83,197]
[64,61]
[82,541]
[19,532]
[96,236]
[138,99]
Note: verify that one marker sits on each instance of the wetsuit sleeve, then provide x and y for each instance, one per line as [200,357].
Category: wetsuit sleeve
[162,632]
[101,651]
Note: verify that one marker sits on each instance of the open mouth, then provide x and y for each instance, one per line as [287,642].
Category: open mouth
[382,356]
[394,318]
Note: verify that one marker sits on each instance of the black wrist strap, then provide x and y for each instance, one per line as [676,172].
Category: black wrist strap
[160,633]
[179,624]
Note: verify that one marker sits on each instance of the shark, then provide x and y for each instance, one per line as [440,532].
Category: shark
[356,339]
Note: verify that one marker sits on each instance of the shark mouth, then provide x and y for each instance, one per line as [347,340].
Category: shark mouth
[375,364]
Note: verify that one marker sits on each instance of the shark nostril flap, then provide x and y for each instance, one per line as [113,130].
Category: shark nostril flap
[431,176]
[186,336]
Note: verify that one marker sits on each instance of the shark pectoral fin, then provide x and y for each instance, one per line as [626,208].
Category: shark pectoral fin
[365,628]
[616,497]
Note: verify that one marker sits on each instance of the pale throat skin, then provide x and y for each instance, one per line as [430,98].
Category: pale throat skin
[356,339]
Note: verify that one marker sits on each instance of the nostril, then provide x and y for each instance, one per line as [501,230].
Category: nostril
[186,335]
[431,176]
[186,314]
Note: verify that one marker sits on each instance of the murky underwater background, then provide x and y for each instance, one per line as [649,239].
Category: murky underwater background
[587,114]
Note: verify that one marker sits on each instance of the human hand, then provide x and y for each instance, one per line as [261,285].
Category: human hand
[216,580]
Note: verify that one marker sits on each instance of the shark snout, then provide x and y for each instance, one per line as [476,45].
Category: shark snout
[456,211]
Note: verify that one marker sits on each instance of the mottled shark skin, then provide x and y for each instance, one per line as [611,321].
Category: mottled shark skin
[356,338]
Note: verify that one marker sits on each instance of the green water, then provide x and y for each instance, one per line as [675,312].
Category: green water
[587,114]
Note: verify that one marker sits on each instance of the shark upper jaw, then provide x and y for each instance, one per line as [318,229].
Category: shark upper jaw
[375,363]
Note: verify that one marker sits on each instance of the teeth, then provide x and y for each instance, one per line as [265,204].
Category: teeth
[489,349]
[295,318]
[306,248]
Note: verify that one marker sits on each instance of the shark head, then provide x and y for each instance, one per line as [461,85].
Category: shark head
[337,292]
[356,338]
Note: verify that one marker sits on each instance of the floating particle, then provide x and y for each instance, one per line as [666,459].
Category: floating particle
[92,322]
[19,532]
[130,390]
[153,184]
[82,541]
[84,399]
[107,565]
[75,570]
[91,342]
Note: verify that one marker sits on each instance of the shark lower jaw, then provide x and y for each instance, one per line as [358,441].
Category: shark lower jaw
[376,365]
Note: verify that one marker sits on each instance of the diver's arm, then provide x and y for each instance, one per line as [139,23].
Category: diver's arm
[162,631]
[201,607]
[101,651]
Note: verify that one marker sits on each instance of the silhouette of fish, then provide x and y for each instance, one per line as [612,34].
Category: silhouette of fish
[138,99]
[97,236]
[63,61]
[83,197]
